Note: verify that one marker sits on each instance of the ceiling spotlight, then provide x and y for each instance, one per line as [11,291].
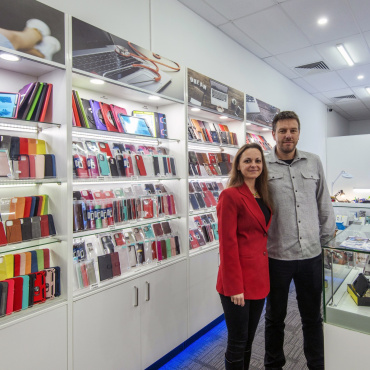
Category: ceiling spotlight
[265,129]
[153,97]
[360,77]
[345,55]
[195,109]
[322,21]
[223,117]
[95,81]
[367,89]
[10,57]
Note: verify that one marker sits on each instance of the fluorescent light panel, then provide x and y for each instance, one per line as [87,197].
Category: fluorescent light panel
[345,55]
[11,127]
[126,139]
[368,89]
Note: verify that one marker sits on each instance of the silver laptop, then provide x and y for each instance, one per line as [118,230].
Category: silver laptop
[219,94]
[94,51]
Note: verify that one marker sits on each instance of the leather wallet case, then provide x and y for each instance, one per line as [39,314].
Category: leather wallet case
[13,231]
[105,267]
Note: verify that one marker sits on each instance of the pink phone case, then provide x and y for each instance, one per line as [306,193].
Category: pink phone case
[92,166]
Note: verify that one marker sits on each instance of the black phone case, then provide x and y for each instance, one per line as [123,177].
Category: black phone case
[120,165]
[35,227]
[14,147]
[173,167]
[156,166]
[49,165]
[113,167]
[3,297]
[31,289]
[26,228]
[165,166]
[37,112]
[107,244]
[166,227]
[57,281]
[105,267]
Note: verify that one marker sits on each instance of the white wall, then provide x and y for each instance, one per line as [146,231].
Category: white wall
[337,125]
[350,154]
[359,127]
[179,34]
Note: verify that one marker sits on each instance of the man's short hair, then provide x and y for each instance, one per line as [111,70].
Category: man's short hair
[287,114]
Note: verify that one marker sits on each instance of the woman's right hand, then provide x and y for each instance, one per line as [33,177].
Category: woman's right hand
[238,299]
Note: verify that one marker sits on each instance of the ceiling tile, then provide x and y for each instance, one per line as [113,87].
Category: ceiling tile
[205,11]
[325,81]
[233,9]
[239,36]
[355,46]
[305,85]
[299,57]
[280,67]
[361,10]
[349,75]
[361,93]
[323,98]
[367,37]
[305,13]
[274,30]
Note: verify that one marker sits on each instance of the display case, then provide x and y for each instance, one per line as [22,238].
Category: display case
[346,271]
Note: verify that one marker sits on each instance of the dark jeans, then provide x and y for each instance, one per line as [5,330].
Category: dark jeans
[307,277]
[241,325]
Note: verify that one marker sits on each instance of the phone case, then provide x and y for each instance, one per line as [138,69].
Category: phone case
[129,168]
[103,164]
[34,265]
[108,117]
[44,225]
[18,293]
[193,241]
[27,268]
[98,116]
[105,267]
[88,113]
[26,291]
[3,297]
[26,228]
[116,267]
[49,283]
[113,167]
[92,166]
[120,165]
[199,199]
[46,252]
[50,170]
[80,165]
[39,289]
[13,231]
[116,111]
[193,201]
[140,165]
[10,297]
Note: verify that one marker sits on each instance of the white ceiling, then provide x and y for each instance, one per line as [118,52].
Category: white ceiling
[285,34]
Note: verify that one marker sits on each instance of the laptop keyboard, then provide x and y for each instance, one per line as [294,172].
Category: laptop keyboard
[219,95]
[103,62]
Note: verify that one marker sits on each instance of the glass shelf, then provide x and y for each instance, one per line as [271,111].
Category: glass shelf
[211,145]
[202,211]
[28,182]
[14,124]
[208,178]
[114,180]
[204,248]
[12,247]
[123,226]
[86,133]
[255,126]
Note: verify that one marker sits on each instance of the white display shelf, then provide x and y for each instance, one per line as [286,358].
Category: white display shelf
[202,211]
[35,244]
[14,124]
[114,180]
[204,248]
[28,182]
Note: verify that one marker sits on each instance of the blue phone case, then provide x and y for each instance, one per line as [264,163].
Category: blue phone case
[103,164]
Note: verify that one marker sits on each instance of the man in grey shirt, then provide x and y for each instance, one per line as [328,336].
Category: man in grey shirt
[302,222]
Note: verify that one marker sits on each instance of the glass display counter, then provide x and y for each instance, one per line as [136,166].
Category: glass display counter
[346,272]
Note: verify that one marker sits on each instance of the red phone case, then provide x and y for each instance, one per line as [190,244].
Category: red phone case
[18,293]
[85,279]
[116,267]
[23,145]
[27,207]
[46,103]
[119,239]
[140,165]
[80,165]
[46,258]
[75,112]
[104,148]
[159,250]
[3,240]
[41,201]
[39,288]
[208,194]
[129,168]
[10,298]
[108,117]
[148,209]
[17,264]
[32,165]
[115,111]
[44,225]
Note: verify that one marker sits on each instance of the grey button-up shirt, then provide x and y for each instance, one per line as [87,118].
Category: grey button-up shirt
[303,218]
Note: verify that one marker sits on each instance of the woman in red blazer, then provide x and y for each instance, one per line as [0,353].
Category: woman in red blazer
[244,216]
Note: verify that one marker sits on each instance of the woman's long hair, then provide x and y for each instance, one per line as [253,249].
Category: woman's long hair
[236,178]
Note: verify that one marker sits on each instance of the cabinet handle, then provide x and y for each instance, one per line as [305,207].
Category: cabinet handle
[136,296]
[147,291]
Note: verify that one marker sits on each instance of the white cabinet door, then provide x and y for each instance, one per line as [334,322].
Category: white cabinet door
[163,311]
[39,342]
[106,330]
[204,301]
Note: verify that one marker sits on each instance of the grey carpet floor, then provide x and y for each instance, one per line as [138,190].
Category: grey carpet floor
[208,351]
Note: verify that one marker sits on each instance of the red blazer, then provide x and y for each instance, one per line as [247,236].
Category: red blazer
[243,238]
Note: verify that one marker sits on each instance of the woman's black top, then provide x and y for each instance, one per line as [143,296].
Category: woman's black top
[266,211]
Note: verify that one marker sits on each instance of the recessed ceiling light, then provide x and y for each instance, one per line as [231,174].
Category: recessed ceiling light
[223,117]
[367,89]
[345,55]
[96,81]
[10,57]
[322,21]
[195,109]
[360,77]
[153,97]
[265,129]
[248,124]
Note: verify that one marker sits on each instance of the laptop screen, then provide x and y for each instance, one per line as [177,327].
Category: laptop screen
[97,38]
